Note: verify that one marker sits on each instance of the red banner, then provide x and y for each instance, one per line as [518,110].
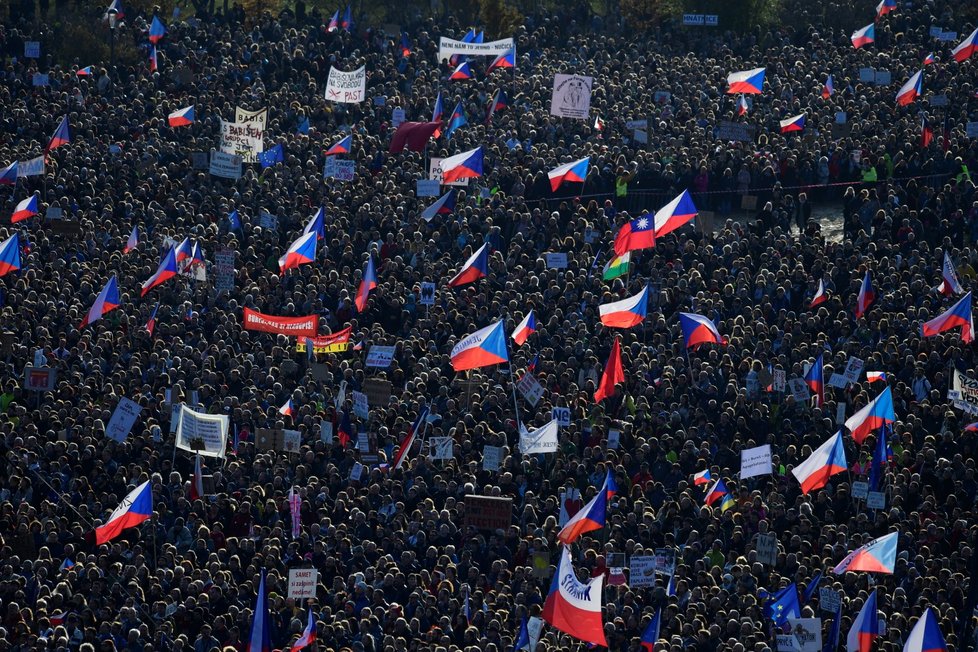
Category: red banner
[298,326]
[338,341]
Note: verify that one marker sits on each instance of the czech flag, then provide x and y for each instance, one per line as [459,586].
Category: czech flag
[408,441]
[929,59]
[627,312]
[166,271]
[635,234]
[438,113]
[405,45]
[334,22]
[483,348]
[588,518]
[308,635]
[84,72]
[10,255]
[156,30]
[462,71]
[342,146]
[971,427]
[865,628]
[926,133]
[598,123]
[184,251]
[24,210]
[135,508]
[575,608]
[316,224]
[300,252]
[815,381]
[444,206]
[8,175]
[457,120]
[499,102]
[820,295]
[911,90]
[651,633]
[877,556]
[151,322]
[966,48]
[826,461]
[476,267]
[61,135]
[106,301]
[182,118]
[466,165]
[345,430]
[795,123]
[742,106]
[261,633]
[746,81]
[866,296]
[703,477]
[154,62]
[957,315]
[949,285]
[828,90]
[367,283]
[875,376]
[133,241]
[864,36]
[698,330]
[926,635]
[115,6]
[677,213]
[288,409]
[505,60]
[347,21]
[574,172]
[526,328]
[716,492]
[885,7]
[876,414]
[613,374]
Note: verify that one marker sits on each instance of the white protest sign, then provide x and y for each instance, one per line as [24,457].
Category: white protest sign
[356,471]
[779,380]
[829,599]
[767,549]
[398,117]
[876,500]
[380,356]
[224,265]
[441,448]
[32,49]
[787,643]
[571,97]
[339,169]
[492,458]
[556,260]
[541,440]
[534,627]
[570,503]
[427,188]
[435,172]
[360,408]
[971,130]
[246,139]
[614,439]
[837,380]
[259,117]
[530,389]
[665,561]
[427,294]
[202,433]
[347,87]
[860,489]
[326,432]
[447,47]
[562,415]
[964,392]
[641,571]
[755,461]
[799,389]
[853,368]
[808,632]
[226,166]
[302,582]
[123,419]
[31,168]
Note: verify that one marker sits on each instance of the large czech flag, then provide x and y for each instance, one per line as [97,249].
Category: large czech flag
[877,556]
[10,255]
[483,348]
[957,315]
[679,212]
[794,123]
[627,312]
[466,165]
[876,414]
[815,379]
[408,441]
[926,635]
[911,90]
[827,460]
[300,252]
[698,329]
[574,172]
[106,301]
[342,146]
[950,285]
[525,328]
[476,267]
[865,628]
[61,135]
[746,81]
[157,30]
[864,36]
[181,118]
[367,283]
[135,508]
[24,210]
[505,60]
[866,296]
[587,519]
[574,607]
[444,206]
[308,635]
[966,48]
[166,271]
[820,295]
[463,71]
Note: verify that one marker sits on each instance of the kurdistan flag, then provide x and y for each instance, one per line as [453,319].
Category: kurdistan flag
[617,266]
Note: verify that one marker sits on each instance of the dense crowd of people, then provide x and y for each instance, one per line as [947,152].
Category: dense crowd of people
[398,567]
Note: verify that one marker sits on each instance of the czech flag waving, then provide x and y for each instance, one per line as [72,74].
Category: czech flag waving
[409,438]
[166,271]
[885,7]
[133,240]
[287,409]
[651,633]
[627,312]
[716,492]
[963,50]
[308,635]
[875,376]
[877,556]
[957,315]
[457,120]
[911,90]
[84,72]
[439,111]
[505,60]
[61,135]
[820,295]
[300,252]
[316,224]
[866,296]
[865,628]
[334,22]
[926,635]
[476,267]
[746,81]
[794,123]
[106,301]
[949,284]
[182,117]
[483,348]
[574,172]
[829,88]
[342,146]
[677,213]
[462,71]
[24,210]
[587,519]
[698,330]
[703,477]
[462,166]
[864,36]
[574,607]
[443,206]
[742,106]
[525,328]
[367,283]
[260,639]
[826,461]
[8,175]
[135,508]
[814,378]
[10,255]
[157,30]
[876,414]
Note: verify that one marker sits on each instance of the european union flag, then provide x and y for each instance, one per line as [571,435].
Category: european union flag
[234,220]
[272,156]
[811,588]
[783,605]
[304,125]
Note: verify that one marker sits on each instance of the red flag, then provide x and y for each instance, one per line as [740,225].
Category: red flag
[613,374]
[413,136]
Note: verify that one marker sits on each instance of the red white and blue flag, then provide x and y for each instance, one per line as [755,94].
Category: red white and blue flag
[106,301]
[926,635]
[865,628]
[746,81]
[875,376]
[864,36]
[151,322]
[342,146]
[677,213]
[949,278]
[476,267]
[525,328]
[300,252]
[911,90]
[443,206]
[815,380]
[574,607]
[885,7]
[182,117]
[876,414]
[742,105]
[134,509]
[828,90]
[114,8]
[154,61]
[627,312]
[877,556]
[334,22]
[438,113]
[824,462]
[957,315]
[587,519]
[866,296]
[10,255]
[260,639]
[505,60]
[820,295]
[416,428]
[157,30]
[794,123]
[8,175]
[287,409]
[574,172]
[84,72]
[716,492]
[929,59]
[651,633]
[166,271]
[498,103]
[24,210]
[483,348]
[963,50]
[698,330]
[462,71]
[703,477]
[61,135]
[466,165]
[308,635]
[317,224]
[133,240]
[367,283]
